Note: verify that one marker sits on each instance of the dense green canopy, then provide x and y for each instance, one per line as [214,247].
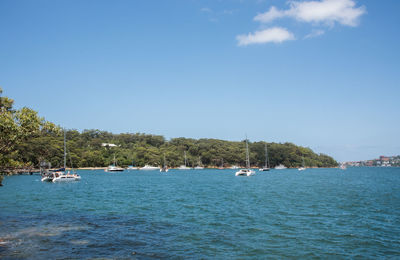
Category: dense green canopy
[28,140]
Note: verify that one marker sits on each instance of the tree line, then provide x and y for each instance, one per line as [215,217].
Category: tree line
[27,140]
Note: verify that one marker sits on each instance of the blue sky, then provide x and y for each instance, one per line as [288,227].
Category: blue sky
[322,74]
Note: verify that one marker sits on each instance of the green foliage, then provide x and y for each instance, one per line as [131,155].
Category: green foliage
[27,140]
[17,127]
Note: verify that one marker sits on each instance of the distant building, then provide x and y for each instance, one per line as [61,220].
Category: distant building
[384,158]
[369,163]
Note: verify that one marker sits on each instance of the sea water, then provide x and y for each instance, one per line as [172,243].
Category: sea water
[208,214]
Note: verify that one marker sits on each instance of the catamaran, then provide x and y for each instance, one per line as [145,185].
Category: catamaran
[247,171]
[184,167]
[164,168]
[60,175]
[266,166]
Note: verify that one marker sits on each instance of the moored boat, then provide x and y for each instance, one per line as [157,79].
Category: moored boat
[199,165]
[280,167]
[184,167]
[247,171]
[266,166]
[60,175]
[149,168]
[114,168]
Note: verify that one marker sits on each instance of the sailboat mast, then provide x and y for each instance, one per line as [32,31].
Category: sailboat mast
[247,155]
[65,151]
[266,156]
[185,157]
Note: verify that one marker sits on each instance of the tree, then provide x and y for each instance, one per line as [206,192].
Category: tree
[17,126]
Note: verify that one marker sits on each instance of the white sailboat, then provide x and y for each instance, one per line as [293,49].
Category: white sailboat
[149,168]
[247,171]
[114,167]
[280,167]
[164,168]
[199,167]
[266,166]
[302,168]
[62,176]
[184,167]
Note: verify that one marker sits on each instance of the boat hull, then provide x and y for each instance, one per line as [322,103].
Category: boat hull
[149,168]
[67,178]
[245,173]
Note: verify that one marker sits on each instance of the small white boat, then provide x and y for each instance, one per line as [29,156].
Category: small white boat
[342,166]
[245,172]
[248,171]
[266,166]
[149,168]
[184,167]
[199,167]
[280,167]
[114,167]
[235,167]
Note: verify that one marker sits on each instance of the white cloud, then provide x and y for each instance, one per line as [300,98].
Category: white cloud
[206,10]
[228,11]
[275,34]
[328,12]
[314,33]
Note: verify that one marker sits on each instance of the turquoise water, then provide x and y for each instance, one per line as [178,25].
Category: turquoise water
[317,213]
